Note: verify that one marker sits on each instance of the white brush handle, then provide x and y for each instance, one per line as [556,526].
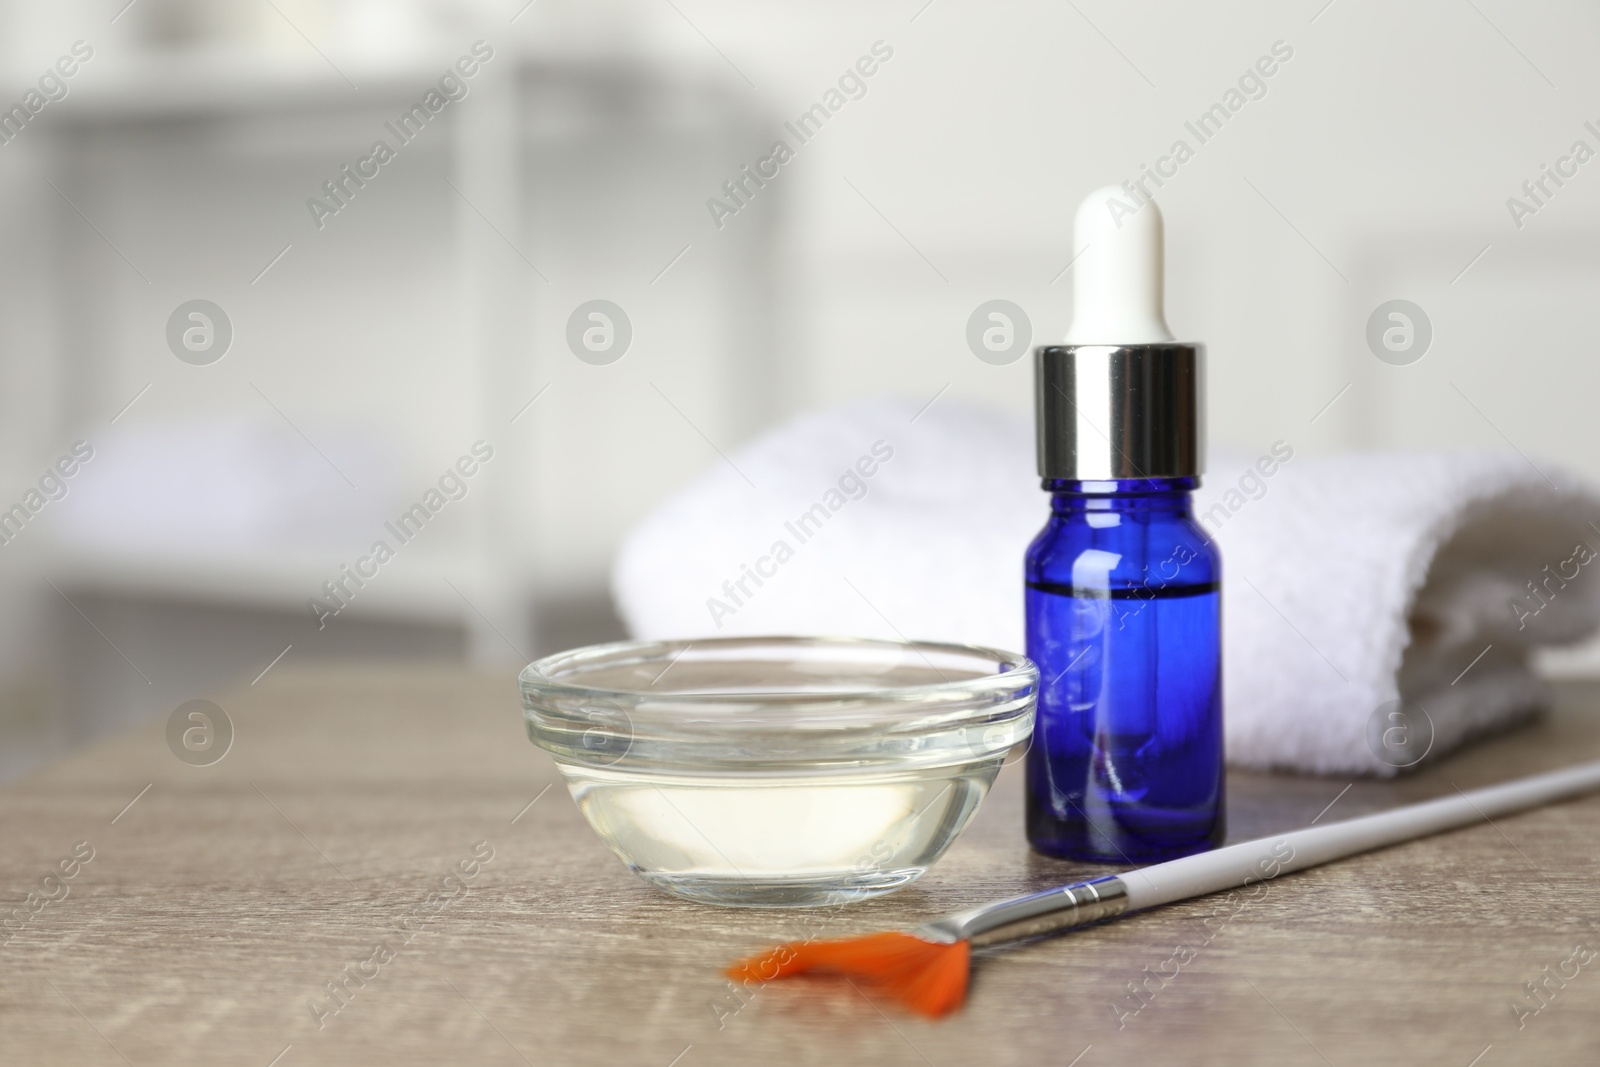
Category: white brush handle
[1068,906]
[1268,857]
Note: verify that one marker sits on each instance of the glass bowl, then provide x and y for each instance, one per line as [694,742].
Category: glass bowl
[779,771]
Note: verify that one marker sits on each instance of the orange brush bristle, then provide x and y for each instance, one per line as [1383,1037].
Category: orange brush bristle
[928,978]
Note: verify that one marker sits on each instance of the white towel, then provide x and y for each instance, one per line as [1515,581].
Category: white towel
[1378,608]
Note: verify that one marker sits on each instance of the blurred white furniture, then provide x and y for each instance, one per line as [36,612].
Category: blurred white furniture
[428,314]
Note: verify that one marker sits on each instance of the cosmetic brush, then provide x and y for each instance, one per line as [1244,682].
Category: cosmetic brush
[926,968]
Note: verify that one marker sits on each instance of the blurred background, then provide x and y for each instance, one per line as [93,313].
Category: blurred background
[246,453]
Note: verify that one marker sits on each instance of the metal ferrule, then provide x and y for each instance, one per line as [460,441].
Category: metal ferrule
[1109,412]
[1037,913]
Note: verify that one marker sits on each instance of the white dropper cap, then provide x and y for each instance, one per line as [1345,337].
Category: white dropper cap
[1117,286]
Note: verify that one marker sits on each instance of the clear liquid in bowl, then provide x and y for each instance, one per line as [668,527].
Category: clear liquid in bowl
[781,839]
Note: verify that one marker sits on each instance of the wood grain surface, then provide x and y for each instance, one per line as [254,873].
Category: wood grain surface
[219,905]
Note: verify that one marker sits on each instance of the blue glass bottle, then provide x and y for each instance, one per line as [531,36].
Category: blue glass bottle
[1124,622]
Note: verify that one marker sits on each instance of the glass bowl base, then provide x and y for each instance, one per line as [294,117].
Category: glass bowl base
[812,892]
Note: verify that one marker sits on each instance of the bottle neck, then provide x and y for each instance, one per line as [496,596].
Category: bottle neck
[1169,496]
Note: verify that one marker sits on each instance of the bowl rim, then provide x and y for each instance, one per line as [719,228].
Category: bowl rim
[1015,670]
[767,731]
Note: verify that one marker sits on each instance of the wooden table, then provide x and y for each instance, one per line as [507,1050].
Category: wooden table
[217,907]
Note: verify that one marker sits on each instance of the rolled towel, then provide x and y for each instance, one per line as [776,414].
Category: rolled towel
[1379,608]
